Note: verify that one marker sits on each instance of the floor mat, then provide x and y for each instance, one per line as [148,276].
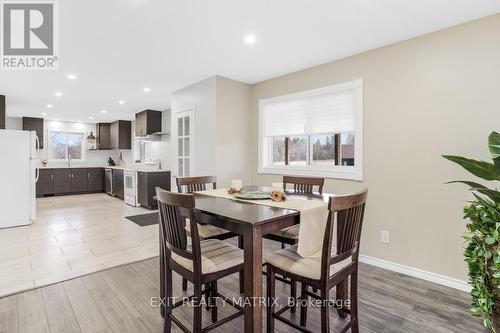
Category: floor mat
[144,219]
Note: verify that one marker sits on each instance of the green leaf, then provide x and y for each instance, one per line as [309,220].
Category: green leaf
[494,144]
[490,240]
[496,161]
[481,169]
[492,194]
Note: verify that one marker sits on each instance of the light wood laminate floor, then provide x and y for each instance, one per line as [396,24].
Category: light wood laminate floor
[122,299]
[72,236]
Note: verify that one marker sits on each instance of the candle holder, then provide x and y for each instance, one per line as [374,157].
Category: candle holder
[236,185]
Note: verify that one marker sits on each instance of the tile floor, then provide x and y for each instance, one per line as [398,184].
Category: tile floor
[72,236]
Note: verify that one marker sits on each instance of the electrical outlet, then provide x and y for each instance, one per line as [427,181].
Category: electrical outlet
[384,237]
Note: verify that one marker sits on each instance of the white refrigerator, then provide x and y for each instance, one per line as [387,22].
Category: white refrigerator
[18,177]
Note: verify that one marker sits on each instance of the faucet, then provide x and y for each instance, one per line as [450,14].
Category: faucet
[69,161]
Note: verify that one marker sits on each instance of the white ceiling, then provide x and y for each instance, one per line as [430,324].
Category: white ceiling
[117,47]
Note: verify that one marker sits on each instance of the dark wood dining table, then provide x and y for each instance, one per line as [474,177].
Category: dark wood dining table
[251,221]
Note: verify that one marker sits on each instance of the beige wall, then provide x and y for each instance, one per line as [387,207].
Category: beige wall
[233,135]
[424,97]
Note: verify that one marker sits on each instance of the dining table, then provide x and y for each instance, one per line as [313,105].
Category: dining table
[252,222]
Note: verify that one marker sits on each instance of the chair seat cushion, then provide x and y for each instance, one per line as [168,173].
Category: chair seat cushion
[206,230]
[290,232]
[290,261]
[216,256]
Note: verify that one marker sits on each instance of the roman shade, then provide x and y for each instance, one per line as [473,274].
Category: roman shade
[322,112]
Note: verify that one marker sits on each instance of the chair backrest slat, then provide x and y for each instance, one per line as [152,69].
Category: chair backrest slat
[348,212]
[193,184]
[174,209]
[304,184]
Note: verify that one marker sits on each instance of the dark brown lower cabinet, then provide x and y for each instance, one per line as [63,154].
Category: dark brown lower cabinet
[79,180]
[146,185]
[69,181]
[95,179]
[62,181]
[45,184]
[118,183]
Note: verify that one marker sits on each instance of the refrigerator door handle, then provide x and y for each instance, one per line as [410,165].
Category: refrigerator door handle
[37,146]
[37,174]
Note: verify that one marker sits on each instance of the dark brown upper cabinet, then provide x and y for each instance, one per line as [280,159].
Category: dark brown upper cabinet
[147,122]
[103,136]
[2,112]
[34,124]
[121,134]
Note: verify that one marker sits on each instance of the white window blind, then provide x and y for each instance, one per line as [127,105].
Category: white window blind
[331,112]
[313,133]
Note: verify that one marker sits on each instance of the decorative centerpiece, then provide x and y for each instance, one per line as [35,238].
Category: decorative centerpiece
[278,196]
[236,185]
[277,193]
[233,191]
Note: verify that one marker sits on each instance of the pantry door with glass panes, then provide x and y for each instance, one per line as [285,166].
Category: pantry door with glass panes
[183,126]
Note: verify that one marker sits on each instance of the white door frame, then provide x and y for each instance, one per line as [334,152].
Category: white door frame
[183,112]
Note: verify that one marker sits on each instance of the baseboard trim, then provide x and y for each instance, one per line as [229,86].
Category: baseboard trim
[417,273]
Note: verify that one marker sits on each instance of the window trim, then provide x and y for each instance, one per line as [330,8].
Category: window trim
[339,171]
[84,146]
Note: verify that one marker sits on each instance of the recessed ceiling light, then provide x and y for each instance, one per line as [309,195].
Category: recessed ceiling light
[103,111]
[50,106]
[44,113]
[147,89]
[91,118]
[123,102]
[250,39]
[58,94]
[71,76]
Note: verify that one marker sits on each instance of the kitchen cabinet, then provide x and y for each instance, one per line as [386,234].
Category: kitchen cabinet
[147,122]
[34,124]
[118,183]
[121,134]
[103,131]
[69,181]
[146,187]
[95,180]
[45,184]
[62,181]
[79,179]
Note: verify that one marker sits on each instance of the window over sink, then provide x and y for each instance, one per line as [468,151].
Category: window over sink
[63,145]
[313,133]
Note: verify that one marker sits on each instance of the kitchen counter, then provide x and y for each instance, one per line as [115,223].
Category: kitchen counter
[124,168]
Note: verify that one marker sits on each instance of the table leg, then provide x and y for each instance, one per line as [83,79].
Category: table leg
[252,243]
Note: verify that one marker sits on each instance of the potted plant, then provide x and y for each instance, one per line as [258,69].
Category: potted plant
[482,252]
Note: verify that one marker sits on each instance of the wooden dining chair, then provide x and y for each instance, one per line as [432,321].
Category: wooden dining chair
[290,235]
[206,231]
[326,271]
[301,185]
[202,262]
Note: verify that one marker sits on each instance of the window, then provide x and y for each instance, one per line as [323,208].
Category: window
[313,133]
[66,144]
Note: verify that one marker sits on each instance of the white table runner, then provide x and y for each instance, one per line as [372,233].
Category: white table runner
[313,215]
